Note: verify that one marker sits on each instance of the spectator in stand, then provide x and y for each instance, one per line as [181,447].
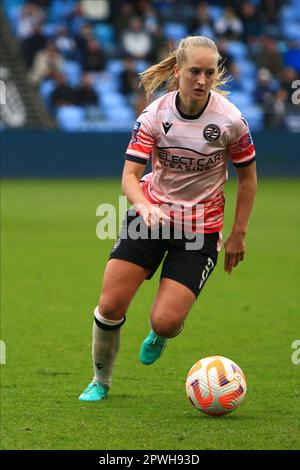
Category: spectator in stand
[250,19]
[85,94]
[77,21]
[82,39]
[63,94]
[87,98]
[94,60]
[135,41]
[269,57]
[33,44]
[270,17]
[278,110]
[202,25]
[275,101]
[46,64]
[95,10]
[287,76]
[161,47]
[227,59]
[149,15]
[265,87]
[66,44]
[229,25]
[121,15]
[236,81]
[30,17]
[129,79]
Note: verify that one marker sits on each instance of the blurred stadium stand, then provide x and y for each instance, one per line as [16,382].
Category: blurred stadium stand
[81,58]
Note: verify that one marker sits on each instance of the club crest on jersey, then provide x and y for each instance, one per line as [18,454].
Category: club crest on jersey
[135,131]
[212,133]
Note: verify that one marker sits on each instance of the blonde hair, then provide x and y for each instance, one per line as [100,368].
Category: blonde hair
[163,72]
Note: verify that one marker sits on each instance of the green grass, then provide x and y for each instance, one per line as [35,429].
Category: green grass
[51,270]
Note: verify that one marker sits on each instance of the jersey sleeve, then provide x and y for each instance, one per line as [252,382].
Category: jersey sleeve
[240,147]
[142,139]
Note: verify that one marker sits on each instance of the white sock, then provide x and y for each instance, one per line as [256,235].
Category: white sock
[105,348]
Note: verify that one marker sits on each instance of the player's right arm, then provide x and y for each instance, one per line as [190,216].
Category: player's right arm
[132,173]
[137,155]
[131,187]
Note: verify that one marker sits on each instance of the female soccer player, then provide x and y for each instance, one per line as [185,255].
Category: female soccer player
[192,131]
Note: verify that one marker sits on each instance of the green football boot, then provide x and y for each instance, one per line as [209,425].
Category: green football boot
[152,348]
[94,392]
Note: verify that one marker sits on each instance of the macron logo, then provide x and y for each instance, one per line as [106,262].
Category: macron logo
[167,126]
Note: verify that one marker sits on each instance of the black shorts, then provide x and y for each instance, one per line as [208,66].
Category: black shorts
[181,262]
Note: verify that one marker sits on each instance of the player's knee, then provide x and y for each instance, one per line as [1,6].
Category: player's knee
[111,308]
[167,329]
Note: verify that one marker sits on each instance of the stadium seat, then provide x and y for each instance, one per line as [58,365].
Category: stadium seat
[72,70]
[290,12]
[237,49]
[248,84]
[205,30]
[12,9]
[112,100]
[46,89]
[115,66]
[241,99]
[247,68]
[215,12]
[254,116]
[292,30]
[106,84]
[292,59]
[105,34]
[295,5]
[12,4]
[70,118]
[114,69]
[50,30]
[141,65]
[120,113]
[175,31]
[61,9]
[287,14]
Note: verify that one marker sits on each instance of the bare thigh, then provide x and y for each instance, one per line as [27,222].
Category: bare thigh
[120,283]
[170,308]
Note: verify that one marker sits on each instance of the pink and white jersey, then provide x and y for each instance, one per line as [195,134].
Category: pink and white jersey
[190,156]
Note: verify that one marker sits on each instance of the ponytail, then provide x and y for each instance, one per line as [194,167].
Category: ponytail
[158,74]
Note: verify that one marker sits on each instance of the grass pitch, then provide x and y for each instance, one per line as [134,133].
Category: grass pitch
[51,271]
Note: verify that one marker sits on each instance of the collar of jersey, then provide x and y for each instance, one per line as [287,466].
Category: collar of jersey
[189,116]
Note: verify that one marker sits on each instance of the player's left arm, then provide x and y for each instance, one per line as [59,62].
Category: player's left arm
[246,190]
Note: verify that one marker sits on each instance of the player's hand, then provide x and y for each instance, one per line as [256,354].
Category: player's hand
[234,250]
[153,216]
